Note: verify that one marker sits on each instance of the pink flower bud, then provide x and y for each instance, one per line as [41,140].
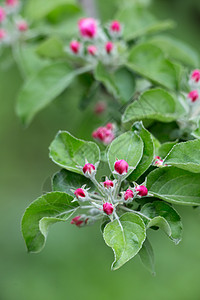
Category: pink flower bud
[108,208]
[121,166]
[12,3]
[109,47]
[2,34]
[195,76]
[79,193]
[193,95]
[74,46]
[22,26]
[88,27]
[109,126]
[157,157]
[100,107]
[92,50]
[108,184]
[79,221]
[142,190]
[104,135]
[128,195]
[2,14]
[115,26]
[158,162]
[88,168]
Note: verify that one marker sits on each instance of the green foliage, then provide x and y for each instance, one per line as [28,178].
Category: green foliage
[43,212]
[156,104]
[175,185]
[125,236]
[69,152]
[149,61]
[147,256]
[51,48]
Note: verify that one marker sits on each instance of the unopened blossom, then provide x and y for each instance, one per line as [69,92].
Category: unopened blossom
[108,208]
[193,95]
[92,50]
[108,184]
[88,27]
[74,46]
[79,221]
[121,167]
[142,190]
[100,107]
[2,14]
[12,3]
[104,134]
[115,26]
[79,193]
[2,34]
[195,76]
[22,26]
[109,47]
[128,195]
[88,168]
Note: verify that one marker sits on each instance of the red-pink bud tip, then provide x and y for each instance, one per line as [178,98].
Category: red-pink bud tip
[2,34]
[157,157]
[88,168]
[128,195]
[22,26]
[108,208]
[195,76]
[100,107]
[74,46]
[92,50]
[193,95]
[104,135]
[87,27]
[79,193]
[108,184]
[109,126]
[142,190]
[12,3]
[115,26]
[121,166]
[2,14]
[109,47]
[77,221]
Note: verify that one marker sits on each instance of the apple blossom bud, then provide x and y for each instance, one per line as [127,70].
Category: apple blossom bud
[142,190]
[2,14]
[121,166]
[88,168]
[12,3]
[108,208]
[74,46]
[22,26]
[195,76]
[92,50]
[109,126]
[79,193]
[157,157]
[128,195]
[104,135]
[108,184]
[100,107]
[109,47]
[193,95]
[115,26]
[158,163]
[2,34]
[88,27]
[77,221]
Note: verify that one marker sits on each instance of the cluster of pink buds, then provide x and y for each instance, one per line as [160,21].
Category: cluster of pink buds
[108,198]
[194,83]
[104,134]
[94,42]
[12,25]
[158,162]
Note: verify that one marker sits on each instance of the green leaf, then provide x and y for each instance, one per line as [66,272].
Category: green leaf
[165,148]
[37,9]
[164,216]
[176,49]
[138,21]
[44,211]
[149,61]
[52,47]
[185,156]
[174,185]
[121,83]
[70,152]
[147,256]
[148,151]
[42,88]
[127,146]
[125,237]
[65,180]
[156,104]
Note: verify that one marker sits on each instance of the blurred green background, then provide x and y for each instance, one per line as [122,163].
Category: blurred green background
[75,263]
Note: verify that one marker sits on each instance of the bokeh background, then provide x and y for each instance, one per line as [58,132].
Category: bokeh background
[75,264]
